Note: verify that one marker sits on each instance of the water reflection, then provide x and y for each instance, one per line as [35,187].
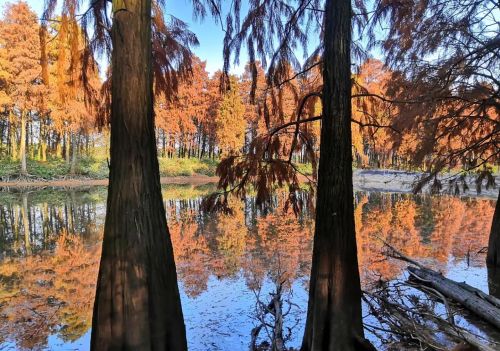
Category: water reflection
[50,246]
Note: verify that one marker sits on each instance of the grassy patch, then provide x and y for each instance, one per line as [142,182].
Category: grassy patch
[54,168]
[175,167]
[97,168]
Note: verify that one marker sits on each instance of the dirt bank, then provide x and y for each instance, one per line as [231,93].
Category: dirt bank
[79,182]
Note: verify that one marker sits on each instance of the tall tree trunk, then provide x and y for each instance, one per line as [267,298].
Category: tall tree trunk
[31,145]
[334,320]
[164,144]
[137,304]
[58,148]
[43,141]
[3,126]
[203,144]
[22,144]
[67,146]
[493,257]
[12,136]
[74,151]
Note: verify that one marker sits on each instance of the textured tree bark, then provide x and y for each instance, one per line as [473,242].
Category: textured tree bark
[493,257]
[137,304]
[22,144]
[334,320]
[494,281]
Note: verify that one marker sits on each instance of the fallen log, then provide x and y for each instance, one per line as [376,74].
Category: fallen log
[466,296]
[402,323]
[491,299]
[469,338]
[418,321]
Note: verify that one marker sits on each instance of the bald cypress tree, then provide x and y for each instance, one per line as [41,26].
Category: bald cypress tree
[137,303]
[334,320]
[334,312]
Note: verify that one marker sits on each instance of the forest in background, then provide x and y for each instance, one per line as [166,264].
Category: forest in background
[432,105]
[50,129]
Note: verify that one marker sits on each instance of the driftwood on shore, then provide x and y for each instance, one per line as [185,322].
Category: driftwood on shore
[467,296]
[413,318]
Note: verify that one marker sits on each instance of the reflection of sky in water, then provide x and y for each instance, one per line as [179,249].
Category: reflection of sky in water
[222,316]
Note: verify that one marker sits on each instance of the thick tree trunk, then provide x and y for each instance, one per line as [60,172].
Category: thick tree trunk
[493,257]
[137,304]
[22,144]
[494,281]
[334,320]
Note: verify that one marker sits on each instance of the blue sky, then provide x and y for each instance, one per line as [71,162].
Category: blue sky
[209,34]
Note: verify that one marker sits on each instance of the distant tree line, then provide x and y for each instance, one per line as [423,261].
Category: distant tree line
[46,112]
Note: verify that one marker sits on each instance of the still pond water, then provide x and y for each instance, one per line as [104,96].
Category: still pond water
[50,247]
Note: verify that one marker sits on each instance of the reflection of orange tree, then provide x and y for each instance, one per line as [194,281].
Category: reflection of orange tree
[458,227]
[279,242]
[224,245]
[44,292]
[231,239]
[191,253]
[375,220]
[280,246]
[448,213]
[475,229]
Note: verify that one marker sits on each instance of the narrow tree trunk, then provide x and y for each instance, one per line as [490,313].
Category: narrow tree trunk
[67,146]
[12,137]
[137,304]
[22,144]
[74,152]
[58,146]
[493,257]
[31,145]
[2,132]
[203,145]
[43,141]
[334,320]
[164,144]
